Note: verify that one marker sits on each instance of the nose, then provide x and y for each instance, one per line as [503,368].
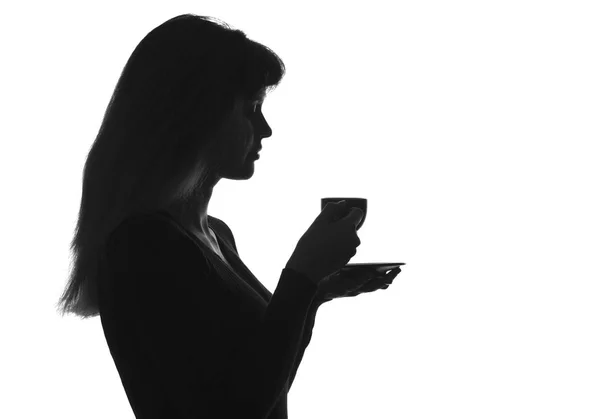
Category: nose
[267,133]
[264,130]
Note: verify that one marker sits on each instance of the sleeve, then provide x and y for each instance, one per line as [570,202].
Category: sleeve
[187,323]
[306,336]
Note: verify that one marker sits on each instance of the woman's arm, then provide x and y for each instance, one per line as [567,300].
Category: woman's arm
[306,336]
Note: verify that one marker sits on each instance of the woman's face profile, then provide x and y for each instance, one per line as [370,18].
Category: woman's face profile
[240,138]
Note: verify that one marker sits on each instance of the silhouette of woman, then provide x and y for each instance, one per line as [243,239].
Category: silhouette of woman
[192,332]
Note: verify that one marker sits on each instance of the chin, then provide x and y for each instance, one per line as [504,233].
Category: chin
[242,175]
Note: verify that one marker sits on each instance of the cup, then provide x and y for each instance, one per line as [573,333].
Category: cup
[350,203]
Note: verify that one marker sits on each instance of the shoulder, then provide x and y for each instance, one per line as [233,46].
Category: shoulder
[153,239]
[147,227]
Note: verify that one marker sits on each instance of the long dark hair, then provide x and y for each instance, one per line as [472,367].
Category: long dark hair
[153,146]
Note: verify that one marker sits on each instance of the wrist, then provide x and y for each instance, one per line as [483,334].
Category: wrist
[321,297]
[304,272]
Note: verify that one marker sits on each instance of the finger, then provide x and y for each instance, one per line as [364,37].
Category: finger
[363,271]
[371,287]
[363,277]
[386,278]
[375,284]
[378,281]
[393,273]
[383,281]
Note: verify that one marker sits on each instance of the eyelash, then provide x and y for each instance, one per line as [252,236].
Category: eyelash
[254,106]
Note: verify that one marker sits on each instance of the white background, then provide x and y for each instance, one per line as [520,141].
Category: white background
[471,127]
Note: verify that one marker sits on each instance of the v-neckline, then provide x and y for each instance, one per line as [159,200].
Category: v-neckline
[219,245]
[252,282]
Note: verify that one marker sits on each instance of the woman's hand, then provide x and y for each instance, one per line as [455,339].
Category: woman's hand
[350,283]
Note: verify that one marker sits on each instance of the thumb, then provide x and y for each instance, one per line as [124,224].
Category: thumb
[355,216]
[334,210]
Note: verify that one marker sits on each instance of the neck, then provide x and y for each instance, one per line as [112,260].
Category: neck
[192,213]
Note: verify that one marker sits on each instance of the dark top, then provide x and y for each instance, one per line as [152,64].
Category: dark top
[186,345]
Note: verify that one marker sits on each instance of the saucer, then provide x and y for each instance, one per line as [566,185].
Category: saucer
[381,268]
